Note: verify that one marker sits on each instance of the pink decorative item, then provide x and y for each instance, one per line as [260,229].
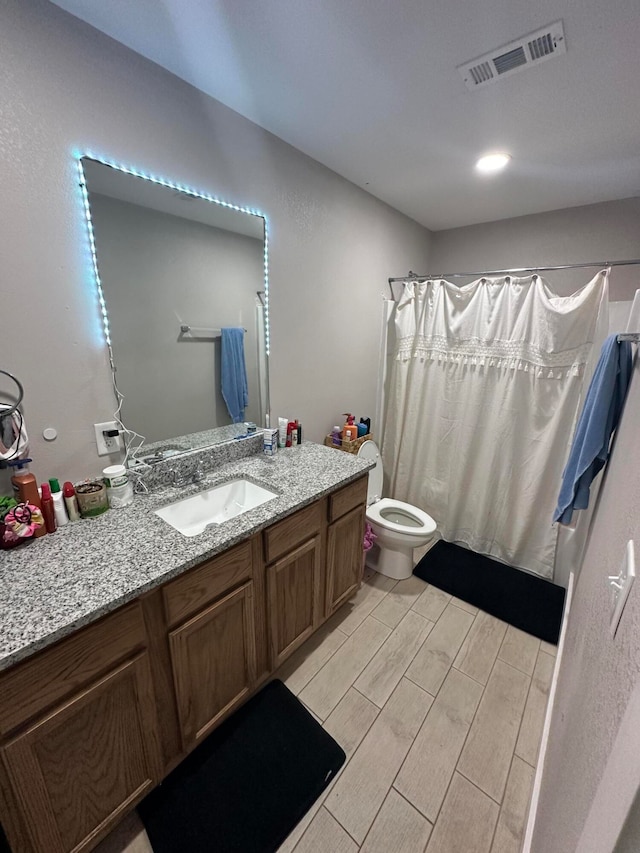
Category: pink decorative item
[19,524]
[369,538]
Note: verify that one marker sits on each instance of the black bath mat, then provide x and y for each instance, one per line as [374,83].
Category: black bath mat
[525,601]
[248,784]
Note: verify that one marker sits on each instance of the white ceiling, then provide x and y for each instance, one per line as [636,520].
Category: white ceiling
[370,89]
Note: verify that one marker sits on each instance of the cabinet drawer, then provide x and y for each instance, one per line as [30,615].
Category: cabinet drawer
[200,586]
[52,675]
[286,534]
[350,496]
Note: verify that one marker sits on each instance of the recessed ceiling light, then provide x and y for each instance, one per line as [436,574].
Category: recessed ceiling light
[492,162]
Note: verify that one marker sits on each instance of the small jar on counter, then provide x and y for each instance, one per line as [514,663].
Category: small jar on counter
[92,498]
[119,489]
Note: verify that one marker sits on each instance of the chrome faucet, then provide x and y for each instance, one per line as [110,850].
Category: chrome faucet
[178,479]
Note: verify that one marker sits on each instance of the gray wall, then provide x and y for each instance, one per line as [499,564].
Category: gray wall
[66,88]
[607,231]
[598,673]
[159,271]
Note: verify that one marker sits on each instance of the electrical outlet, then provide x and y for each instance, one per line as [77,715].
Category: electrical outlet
[107,444]
[621,585]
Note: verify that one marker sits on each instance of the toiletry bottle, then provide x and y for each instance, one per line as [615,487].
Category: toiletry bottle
[290,428]
[336,436]
[282,431]
[299,434]
[20,469]
[18,466]
[71,501]
[367,425]
[362,428]
[349,430]
[25,488]
[119,488]
[48,511]
[58,502]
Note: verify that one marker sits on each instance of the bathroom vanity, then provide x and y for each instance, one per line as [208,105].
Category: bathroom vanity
[124,643]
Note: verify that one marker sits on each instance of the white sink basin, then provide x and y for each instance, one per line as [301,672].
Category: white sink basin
[192,515]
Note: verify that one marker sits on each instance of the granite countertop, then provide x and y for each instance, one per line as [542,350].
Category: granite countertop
[59,583]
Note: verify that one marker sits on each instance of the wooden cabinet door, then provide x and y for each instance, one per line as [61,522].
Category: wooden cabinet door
[214,662]
[84,765]
[344,558]
[294,590]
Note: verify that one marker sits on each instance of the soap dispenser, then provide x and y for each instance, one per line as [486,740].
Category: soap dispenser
[350,429]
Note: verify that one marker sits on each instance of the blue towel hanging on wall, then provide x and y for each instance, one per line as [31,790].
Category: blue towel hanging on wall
[233,371]
[599,418]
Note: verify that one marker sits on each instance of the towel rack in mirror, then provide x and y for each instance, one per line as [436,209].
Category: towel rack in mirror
[196,333]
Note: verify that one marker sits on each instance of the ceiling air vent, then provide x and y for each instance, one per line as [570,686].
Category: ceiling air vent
[529,50]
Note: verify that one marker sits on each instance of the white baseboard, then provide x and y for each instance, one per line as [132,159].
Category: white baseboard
[537,782]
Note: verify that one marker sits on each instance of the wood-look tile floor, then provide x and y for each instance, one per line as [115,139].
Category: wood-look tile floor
[439,708]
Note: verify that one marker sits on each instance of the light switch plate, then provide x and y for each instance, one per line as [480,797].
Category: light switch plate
[621,585]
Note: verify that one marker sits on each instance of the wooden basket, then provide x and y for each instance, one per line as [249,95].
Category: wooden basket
[349,446]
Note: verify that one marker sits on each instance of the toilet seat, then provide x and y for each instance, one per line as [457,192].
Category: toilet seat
[419,523]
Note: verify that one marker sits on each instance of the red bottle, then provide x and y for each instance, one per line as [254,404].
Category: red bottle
[46,502]
[26,491]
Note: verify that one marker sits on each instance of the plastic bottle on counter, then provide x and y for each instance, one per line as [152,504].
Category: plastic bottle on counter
[336,436]
[25,488]
[21,479]
[58,502]
[18,467]
[48,511]
[119,489]
[71,501]
[349,430]
[292,433]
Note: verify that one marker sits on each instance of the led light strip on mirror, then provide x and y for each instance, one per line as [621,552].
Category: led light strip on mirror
[173,186]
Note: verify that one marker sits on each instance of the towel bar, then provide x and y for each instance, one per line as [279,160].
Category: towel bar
[203,334]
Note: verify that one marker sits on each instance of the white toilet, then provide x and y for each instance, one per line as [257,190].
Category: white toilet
[399,526]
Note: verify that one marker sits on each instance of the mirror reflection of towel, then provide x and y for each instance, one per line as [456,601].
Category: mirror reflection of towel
[233,371]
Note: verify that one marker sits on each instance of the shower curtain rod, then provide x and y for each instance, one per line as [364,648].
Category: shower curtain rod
[601,264]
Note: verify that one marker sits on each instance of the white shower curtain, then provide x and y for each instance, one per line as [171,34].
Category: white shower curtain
[481,408]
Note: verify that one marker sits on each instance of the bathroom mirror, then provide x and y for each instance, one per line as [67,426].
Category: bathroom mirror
[175,267]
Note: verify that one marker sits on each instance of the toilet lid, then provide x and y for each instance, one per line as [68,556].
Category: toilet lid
[369,450]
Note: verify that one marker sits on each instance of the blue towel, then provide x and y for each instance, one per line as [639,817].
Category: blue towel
[233,371]
[599,418]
